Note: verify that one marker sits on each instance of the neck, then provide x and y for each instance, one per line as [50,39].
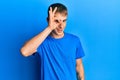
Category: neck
[56,35]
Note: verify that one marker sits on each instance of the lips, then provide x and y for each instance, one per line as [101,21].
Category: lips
[59,30]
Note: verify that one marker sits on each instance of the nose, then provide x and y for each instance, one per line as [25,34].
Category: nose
[60,25]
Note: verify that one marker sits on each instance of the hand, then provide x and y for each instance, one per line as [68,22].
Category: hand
[51,23]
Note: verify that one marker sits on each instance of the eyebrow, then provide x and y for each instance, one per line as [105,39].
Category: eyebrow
[65,20]
[60,20]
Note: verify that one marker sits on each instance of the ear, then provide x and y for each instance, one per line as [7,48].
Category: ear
[47,19]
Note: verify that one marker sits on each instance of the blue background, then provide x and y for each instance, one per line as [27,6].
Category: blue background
[96,22]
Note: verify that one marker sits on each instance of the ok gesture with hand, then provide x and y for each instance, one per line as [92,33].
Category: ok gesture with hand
[51,23]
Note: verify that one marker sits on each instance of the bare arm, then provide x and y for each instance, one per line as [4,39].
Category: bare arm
[80,69]
[31,46]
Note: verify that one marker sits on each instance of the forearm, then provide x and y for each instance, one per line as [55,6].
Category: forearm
[80,69]
[31,46]
[80,76]
[81,73]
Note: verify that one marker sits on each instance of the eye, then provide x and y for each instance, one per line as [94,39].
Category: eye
[64,20]
[56,21]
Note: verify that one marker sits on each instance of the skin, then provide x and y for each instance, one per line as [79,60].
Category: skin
[59,21]
[55,28]
[80,69]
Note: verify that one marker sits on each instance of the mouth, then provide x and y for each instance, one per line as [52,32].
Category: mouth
[59,30]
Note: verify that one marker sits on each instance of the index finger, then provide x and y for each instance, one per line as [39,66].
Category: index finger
[54,10]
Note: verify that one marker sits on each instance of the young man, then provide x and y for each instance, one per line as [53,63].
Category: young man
[60,52]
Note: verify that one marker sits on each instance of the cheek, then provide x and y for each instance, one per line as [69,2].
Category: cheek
[64,24]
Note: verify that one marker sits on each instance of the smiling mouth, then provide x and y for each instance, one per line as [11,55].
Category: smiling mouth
[59,30]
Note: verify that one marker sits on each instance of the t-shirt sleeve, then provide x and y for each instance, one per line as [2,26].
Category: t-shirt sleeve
[79,50]
[40,47]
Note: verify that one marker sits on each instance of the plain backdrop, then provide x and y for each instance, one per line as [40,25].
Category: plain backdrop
[95,22]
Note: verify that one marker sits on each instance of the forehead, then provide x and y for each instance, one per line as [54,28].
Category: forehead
[60,16]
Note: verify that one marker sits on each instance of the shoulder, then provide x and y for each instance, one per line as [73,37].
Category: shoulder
[71,36]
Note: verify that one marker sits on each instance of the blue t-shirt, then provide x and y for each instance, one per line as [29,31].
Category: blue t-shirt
[58,57]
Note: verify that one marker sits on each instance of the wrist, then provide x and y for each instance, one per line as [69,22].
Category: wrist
[49,28]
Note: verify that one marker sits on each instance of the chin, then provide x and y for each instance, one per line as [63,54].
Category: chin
[59,33]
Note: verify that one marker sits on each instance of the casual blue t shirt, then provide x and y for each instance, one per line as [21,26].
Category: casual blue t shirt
[58,57]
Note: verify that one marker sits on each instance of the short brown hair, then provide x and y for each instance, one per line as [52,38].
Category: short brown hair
[60,8]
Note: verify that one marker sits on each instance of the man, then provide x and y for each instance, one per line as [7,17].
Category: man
[60,52]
